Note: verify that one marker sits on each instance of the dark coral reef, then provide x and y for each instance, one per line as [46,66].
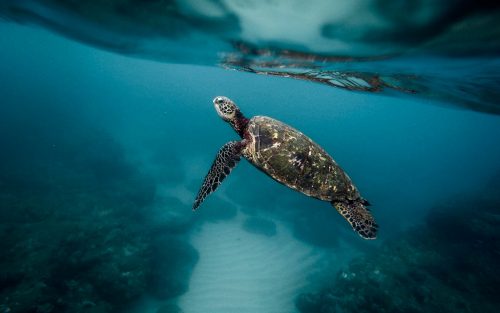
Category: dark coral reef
[76,232]
[448,264]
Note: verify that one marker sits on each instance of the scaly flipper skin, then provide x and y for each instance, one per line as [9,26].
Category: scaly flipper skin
[358,216]
[226,159]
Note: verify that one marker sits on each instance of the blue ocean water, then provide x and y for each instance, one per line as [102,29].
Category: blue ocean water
[102,154]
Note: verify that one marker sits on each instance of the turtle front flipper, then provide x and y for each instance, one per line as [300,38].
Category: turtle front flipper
[361,220]
[226,159]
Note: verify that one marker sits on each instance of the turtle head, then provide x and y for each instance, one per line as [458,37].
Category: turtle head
[230,113]
[226,108]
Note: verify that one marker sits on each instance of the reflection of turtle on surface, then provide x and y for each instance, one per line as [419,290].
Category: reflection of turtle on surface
[292,159]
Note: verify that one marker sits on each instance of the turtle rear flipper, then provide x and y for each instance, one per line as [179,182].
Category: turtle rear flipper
[226,159]
[358,216]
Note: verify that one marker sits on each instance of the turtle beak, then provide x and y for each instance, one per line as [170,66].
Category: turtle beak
[218,98]
[217,109]
[216,106]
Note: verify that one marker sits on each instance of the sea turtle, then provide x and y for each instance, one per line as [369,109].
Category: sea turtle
[291,158]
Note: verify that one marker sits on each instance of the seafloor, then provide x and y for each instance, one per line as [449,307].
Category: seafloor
[99,240]
[448,264]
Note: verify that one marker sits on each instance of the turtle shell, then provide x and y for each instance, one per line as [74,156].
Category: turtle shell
[293,159]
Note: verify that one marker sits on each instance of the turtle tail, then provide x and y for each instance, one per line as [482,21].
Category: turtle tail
[360,218]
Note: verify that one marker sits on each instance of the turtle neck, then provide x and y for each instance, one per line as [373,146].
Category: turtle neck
[239,123]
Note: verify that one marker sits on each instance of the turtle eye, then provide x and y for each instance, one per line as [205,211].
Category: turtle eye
[220,101]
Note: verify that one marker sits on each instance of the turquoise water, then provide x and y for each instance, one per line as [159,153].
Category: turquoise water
[103,153]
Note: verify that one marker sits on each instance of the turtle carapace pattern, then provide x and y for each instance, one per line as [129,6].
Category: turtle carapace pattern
[291,158]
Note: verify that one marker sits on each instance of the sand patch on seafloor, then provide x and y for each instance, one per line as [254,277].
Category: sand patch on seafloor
[243,272]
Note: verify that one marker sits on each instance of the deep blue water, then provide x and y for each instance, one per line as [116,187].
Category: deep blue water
[102,155]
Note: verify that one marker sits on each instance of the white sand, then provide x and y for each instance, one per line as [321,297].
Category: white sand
[243,272]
